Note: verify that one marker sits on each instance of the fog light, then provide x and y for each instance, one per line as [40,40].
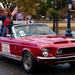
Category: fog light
[59,51]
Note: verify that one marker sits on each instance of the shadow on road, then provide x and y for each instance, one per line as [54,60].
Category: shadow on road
[13,67]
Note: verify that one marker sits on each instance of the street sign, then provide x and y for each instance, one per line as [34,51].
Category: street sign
[19,16]
[70,6]
[73,4]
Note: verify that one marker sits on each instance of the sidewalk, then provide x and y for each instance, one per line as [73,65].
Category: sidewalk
[63,32]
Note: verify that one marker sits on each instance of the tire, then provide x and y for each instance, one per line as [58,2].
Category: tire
[29,62]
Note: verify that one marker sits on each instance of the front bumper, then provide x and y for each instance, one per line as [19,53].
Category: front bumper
[55,58]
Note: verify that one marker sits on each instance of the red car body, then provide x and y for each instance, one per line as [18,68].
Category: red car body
[45,49]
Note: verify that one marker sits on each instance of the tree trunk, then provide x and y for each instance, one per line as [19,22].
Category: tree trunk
[57,27]
[54,24]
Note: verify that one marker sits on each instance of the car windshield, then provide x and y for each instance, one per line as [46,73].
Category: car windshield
[30,30]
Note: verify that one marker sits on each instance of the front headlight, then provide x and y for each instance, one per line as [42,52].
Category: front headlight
[45,52]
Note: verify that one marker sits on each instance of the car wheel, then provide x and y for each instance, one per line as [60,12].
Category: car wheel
[72,64]
[29,62]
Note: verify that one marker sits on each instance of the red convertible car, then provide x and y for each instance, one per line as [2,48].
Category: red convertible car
[36,43]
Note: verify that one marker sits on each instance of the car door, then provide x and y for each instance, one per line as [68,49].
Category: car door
[10,47]
[6,45]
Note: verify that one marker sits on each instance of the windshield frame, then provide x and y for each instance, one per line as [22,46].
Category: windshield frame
[14,32]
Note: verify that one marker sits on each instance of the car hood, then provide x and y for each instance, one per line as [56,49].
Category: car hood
[49,40]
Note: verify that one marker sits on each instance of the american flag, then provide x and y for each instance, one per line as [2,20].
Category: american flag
[14,11]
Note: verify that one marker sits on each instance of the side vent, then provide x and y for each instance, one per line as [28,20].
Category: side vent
[61,42]
[73,41]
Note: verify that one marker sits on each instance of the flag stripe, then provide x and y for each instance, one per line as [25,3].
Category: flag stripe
[14,11]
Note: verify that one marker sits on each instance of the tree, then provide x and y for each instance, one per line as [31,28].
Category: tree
[53,8]
[26,6]
[55,15]
[30,7]
[42,8]
[58,4]
[8,4]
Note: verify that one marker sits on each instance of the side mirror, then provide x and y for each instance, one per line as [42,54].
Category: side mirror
[8,35]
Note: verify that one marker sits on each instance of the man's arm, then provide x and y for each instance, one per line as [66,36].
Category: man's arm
[2,18]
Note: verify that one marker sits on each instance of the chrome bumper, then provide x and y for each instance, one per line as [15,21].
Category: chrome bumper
[54,58]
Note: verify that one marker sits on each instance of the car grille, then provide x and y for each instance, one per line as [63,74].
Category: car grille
[69,50]
[66,52]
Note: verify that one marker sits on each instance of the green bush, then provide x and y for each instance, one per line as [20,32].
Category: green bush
[53,13]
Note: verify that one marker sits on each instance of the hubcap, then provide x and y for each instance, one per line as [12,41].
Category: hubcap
[27,61]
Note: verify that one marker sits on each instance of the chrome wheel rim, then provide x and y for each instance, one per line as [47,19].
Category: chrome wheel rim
[27,62]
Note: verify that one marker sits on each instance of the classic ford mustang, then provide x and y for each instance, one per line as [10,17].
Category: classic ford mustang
[36,43]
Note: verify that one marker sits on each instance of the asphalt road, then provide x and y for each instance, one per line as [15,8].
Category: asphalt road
[13,67]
